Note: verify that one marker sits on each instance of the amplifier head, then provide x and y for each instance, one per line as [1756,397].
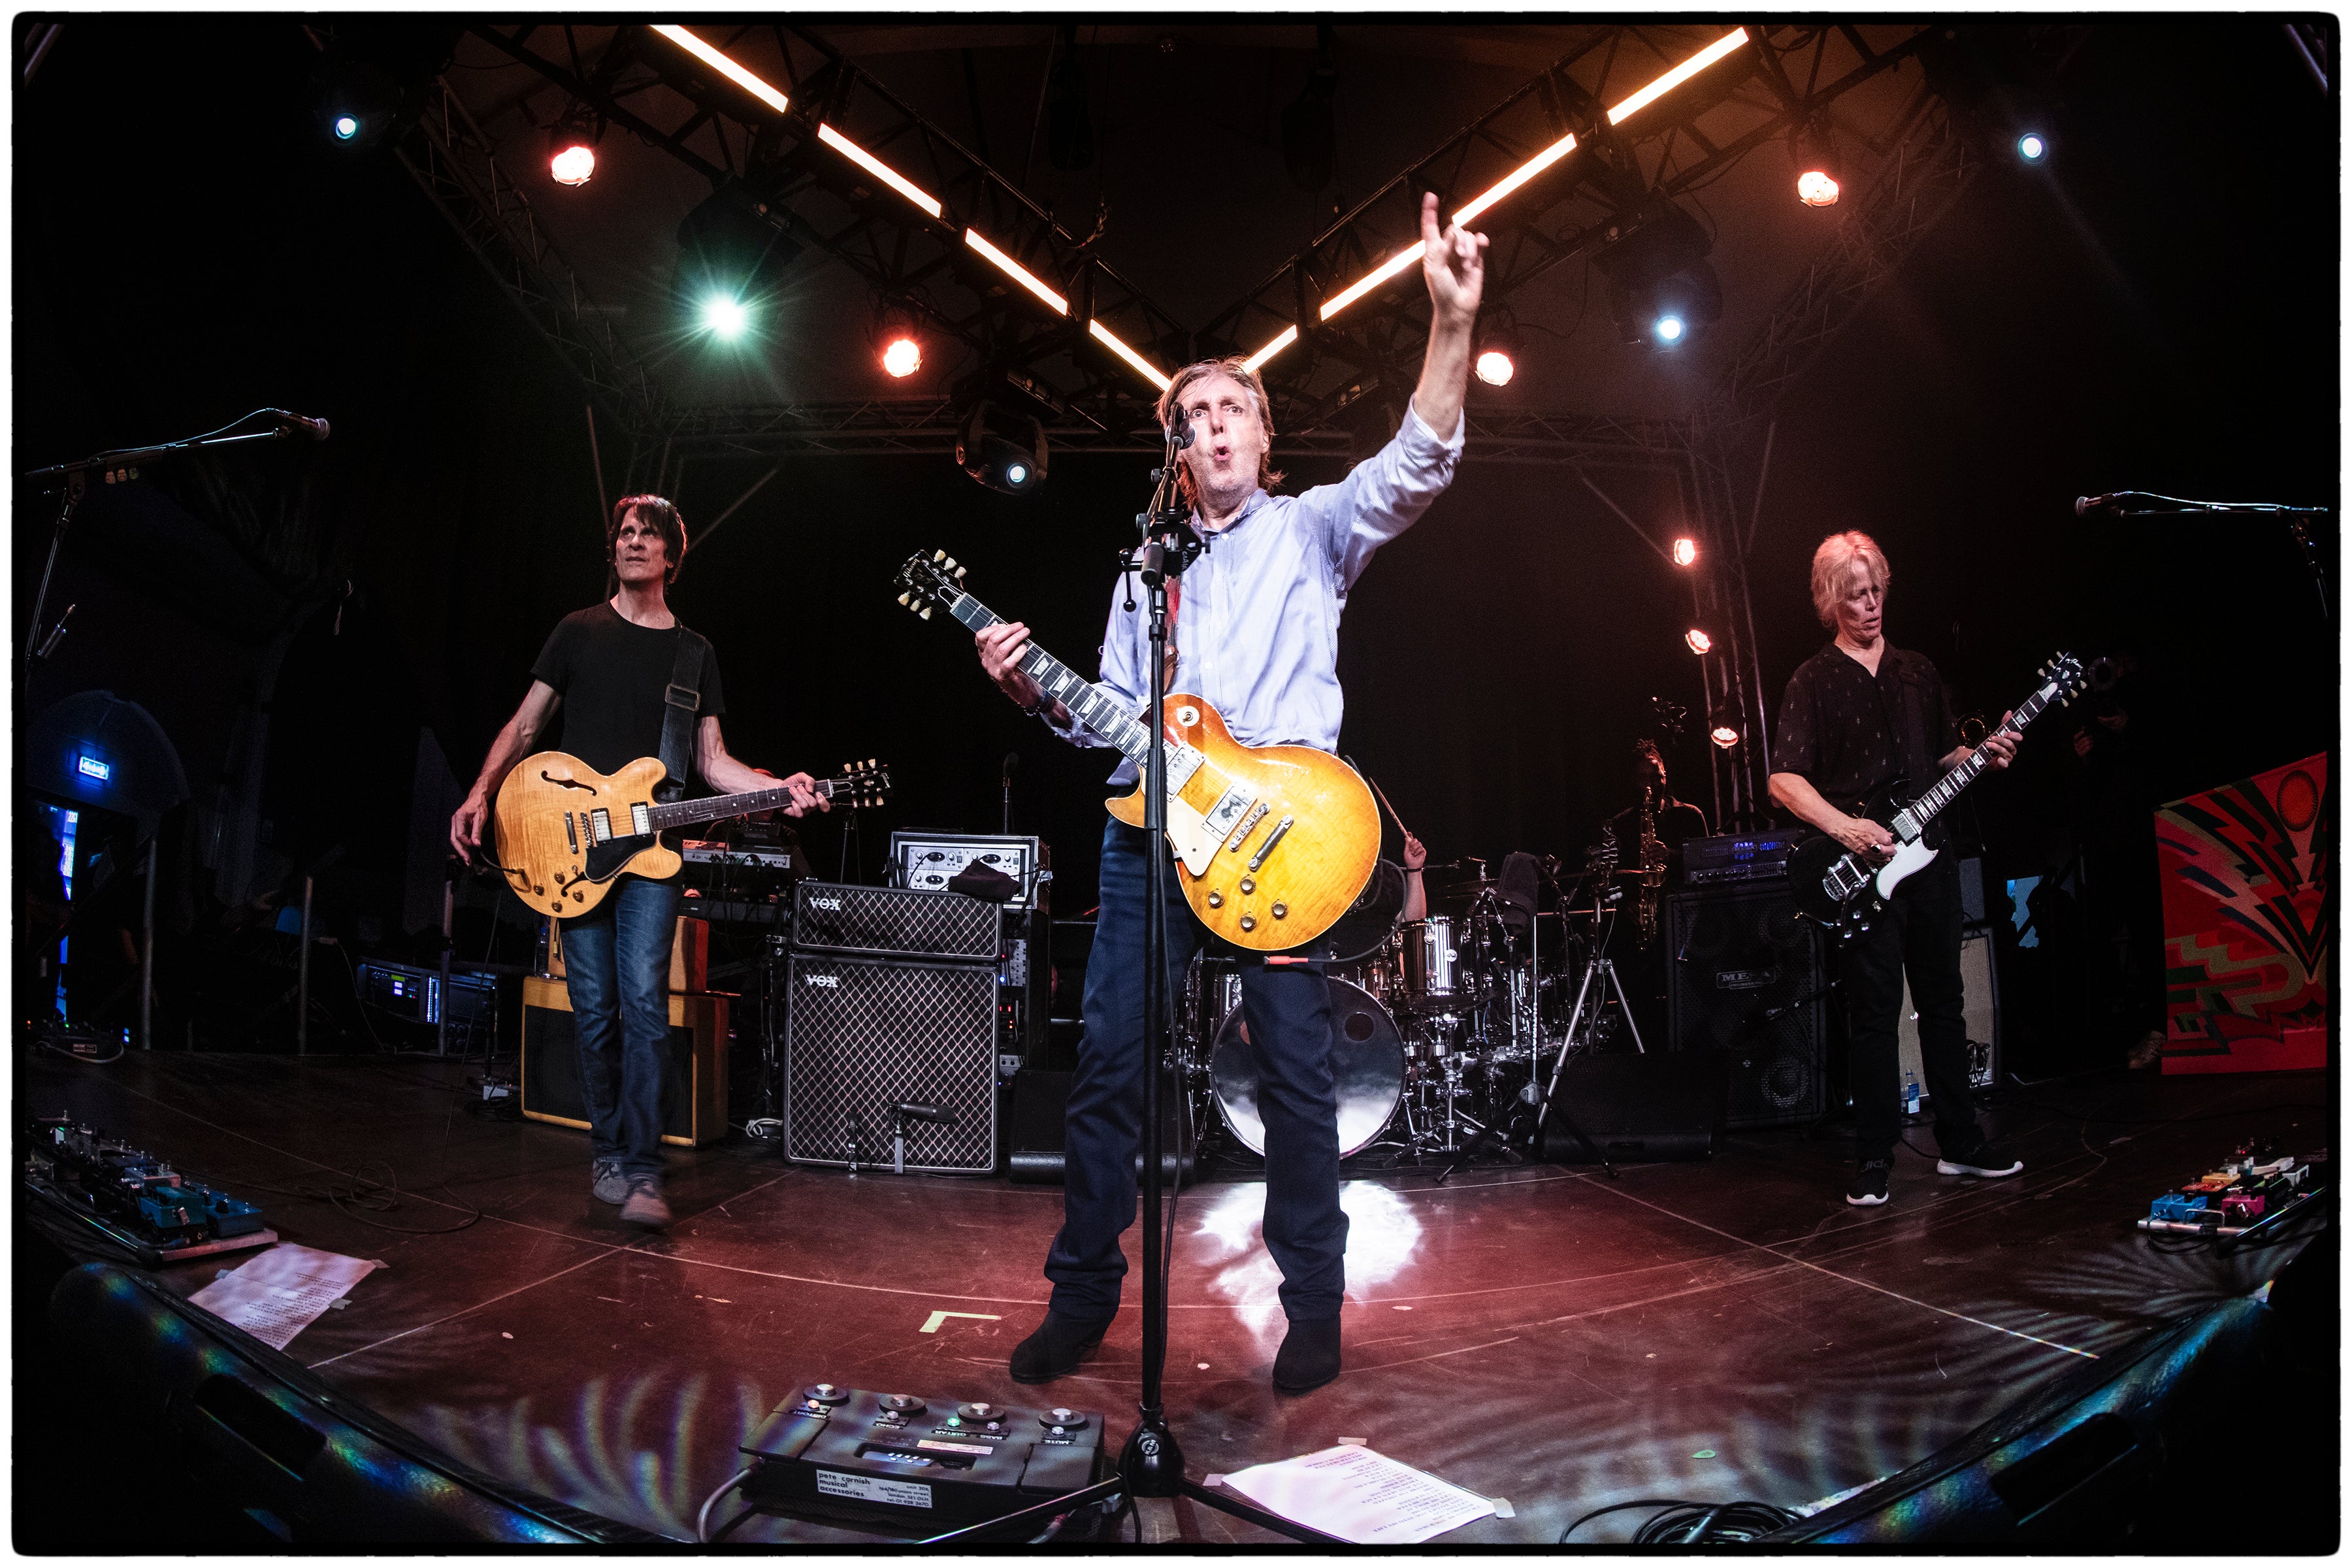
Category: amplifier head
[927,862]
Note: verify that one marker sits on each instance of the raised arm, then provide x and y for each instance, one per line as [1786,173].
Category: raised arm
[1453,265]
[514,743]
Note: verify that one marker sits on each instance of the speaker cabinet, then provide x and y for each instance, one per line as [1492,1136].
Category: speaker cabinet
[868,1033]
[1637,1108]
[1745,980]
[694,1065]
[1981,1006]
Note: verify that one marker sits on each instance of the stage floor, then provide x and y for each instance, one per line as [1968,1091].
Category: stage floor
[1718,1331]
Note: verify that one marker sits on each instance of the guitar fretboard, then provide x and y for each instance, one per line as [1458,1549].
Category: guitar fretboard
[710,808]
[1064,685]
[1947,789]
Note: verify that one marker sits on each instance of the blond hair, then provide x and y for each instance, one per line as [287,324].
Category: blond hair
[1833,564]
[1171,404]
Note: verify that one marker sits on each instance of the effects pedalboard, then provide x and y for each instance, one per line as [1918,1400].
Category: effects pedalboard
[2254,1189]
[897,1458]
[133,1199]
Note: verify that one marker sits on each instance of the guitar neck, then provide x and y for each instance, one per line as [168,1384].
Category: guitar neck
[1062,684]
[710,808]
[1947,789]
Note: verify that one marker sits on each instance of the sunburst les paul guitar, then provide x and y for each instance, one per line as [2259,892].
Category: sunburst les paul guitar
[1272,843]
[566,831]
[1844,891]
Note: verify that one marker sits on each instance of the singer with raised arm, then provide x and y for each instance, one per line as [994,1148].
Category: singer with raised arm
[1856,719]
[1253,630]
[617,670]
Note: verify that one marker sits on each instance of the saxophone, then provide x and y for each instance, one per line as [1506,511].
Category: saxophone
[1654,869]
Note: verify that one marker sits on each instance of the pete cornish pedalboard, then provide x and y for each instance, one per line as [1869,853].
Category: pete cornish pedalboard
[900,1458]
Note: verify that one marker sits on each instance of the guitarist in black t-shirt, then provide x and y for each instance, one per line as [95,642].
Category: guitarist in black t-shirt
[1858,717]
[610,668]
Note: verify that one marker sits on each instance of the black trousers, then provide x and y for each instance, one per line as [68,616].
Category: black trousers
[1919,932]
[1288,1006]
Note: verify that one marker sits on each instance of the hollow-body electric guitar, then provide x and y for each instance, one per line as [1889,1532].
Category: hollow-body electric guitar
[566,831]
[1272,843]
[1844,891]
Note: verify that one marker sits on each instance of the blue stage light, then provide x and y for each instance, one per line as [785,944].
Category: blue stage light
[724,315]
[2032,146]
[1668,328]
[346,127]
[1017,474]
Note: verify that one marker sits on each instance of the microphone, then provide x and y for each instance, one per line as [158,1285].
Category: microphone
[1012,764]
[1180,435]
[315,429]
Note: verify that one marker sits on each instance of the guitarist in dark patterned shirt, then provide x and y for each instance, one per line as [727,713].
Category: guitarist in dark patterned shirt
[1857,718]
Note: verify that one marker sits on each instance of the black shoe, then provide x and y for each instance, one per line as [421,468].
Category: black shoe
[1055,1350]
[1309,1357]
[1987,1158]
[644,1207]
[1870,1183]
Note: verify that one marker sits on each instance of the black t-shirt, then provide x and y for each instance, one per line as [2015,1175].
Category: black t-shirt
[613,676]
[1851,735]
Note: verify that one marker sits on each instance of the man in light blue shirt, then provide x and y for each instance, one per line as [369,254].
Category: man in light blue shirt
[1256,631]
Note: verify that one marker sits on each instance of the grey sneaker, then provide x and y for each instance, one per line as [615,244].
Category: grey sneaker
[644,1205]
[607,1181]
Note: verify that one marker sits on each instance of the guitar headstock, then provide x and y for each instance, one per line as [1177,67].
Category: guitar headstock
[861,783]
[928,582]
[2063,672]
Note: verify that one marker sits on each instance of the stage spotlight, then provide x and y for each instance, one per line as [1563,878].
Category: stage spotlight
[2033,146]
[724,316]
[1662,289]
[346,127]
[901,351]
[731,250]
[1724,735]
[1002,463]
[1815,157]
[1499,347]
[374,79]
[1700,643]
[1685,551]
[573,165]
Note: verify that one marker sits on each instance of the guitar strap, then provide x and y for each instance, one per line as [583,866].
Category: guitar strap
[680,705]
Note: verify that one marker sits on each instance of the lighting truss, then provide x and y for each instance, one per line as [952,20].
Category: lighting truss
[846,168]
[451,159]
[1547,172]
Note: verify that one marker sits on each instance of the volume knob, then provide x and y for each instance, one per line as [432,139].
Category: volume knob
[1249,923]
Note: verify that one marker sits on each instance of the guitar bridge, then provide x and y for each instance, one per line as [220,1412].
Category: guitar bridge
[1248,826]
[1272,839]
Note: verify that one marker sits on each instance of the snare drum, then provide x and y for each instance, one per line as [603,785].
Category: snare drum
[1367,1070]
[1430,962]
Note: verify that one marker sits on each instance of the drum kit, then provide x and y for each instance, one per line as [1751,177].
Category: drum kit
[1440,1026]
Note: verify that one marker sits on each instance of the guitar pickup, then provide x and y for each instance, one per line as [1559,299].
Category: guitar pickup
[1228,810]
[1272,839]
[600,824]
[641,821]
[1248,826]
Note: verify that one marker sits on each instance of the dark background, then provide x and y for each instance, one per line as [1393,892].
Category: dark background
[2156,309]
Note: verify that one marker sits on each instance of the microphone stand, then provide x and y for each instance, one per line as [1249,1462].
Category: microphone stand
[73,482]
[1152,1463]
[2298,519]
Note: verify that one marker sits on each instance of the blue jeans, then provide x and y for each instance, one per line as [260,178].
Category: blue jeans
[616,968]
[1288,1006]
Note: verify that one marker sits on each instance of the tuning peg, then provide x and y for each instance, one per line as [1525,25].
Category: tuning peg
[938,555]
[907,600]
[925,612]
[959,574]
[949,561]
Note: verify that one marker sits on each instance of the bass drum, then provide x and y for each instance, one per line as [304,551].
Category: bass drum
[1367,1069]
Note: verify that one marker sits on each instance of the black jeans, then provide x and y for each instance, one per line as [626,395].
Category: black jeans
[1919,930]
[1288,1006]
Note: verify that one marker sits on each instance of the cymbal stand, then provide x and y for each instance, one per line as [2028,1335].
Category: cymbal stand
[1607,972]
